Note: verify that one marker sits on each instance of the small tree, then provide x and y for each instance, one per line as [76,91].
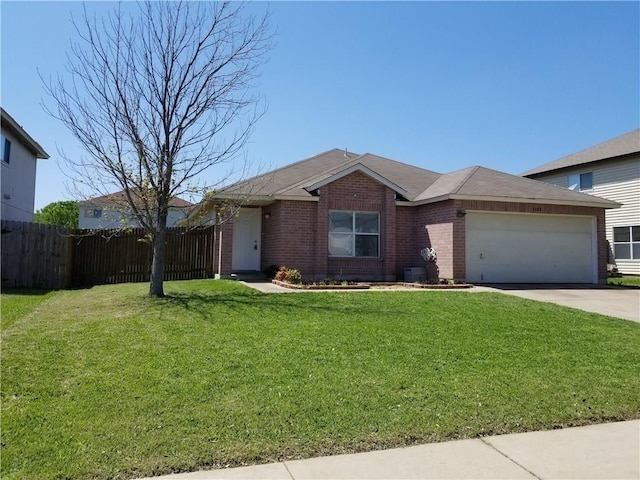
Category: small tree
[155,99]
[58,213]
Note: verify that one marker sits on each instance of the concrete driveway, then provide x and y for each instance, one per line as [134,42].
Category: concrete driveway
[613,301]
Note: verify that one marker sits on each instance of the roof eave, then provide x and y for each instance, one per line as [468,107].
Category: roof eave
[572,203]
[424,201]
[535,173]
[35,148]
[261,199]
[543,201]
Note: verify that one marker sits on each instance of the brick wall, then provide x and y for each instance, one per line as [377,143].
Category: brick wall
[289,235]
[440,229]
[296,232]
[359,192]
[409,235]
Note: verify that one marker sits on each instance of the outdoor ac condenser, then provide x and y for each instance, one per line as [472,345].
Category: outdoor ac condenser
[415,274]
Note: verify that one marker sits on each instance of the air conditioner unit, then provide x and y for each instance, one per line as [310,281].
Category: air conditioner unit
[415,274]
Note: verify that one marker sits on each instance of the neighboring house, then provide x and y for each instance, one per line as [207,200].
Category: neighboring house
[113,211]
[350,216]
[18,155]
[609,170]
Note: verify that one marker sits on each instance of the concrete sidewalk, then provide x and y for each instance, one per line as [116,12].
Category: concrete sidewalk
[607,451]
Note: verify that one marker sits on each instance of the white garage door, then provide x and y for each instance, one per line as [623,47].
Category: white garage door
[517,248]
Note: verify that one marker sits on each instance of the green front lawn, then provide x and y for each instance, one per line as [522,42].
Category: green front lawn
[18,303]
[106,383]
[625,281]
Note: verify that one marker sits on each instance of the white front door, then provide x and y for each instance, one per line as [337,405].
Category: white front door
[246,240]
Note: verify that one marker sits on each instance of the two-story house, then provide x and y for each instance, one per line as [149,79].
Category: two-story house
[609,170]
[18,156]
[113,211]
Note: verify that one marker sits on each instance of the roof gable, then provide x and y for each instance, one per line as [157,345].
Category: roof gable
[623,145]
[357,167]
[294,180]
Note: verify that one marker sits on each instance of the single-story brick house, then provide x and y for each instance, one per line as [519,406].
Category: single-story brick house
[350,216]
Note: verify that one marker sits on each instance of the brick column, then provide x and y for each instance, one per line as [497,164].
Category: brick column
[321,244]
[389,235]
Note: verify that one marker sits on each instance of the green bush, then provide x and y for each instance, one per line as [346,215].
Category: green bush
[294,276]
[289,275]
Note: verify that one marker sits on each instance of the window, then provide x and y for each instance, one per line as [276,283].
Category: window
[626,243]
[5,146]
[583,181]
[93,213]
[354,234]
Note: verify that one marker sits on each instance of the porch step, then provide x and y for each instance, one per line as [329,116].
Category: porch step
[248,276]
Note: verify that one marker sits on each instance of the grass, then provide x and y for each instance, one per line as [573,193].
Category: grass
[18,303]
[625,281]
[106,383]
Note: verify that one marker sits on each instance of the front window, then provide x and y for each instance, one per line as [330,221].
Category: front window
[582,181]
[626,243]
[354,234]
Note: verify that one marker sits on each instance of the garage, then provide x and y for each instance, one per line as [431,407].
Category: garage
[530,248]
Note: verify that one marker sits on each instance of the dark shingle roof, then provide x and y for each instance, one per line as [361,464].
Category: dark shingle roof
[616,147]
[480,182]
[415,184]
[291,180]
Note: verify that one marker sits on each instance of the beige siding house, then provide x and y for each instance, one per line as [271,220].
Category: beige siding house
[609,170]
[112,212]
[18,156]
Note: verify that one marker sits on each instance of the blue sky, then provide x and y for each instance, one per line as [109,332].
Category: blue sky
[440,85]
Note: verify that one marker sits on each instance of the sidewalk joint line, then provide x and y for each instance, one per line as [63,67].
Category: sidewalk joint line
[482,439]
[288,471]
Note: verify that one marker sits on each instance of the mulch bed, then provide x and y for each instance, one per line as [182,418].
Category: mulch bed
[368,286]
[302,286]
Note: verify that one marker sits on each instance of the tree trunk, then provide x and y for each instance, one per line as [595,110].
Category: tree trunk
[156,286]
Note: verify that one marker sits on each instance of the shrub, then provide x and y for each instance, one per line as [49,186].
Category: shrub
[290,275]
[281,274]
[294,276]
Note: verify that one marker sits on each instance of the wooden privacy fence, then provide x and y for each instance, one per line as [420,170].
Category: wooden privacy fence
[35,255]
[111,256]
[47,256]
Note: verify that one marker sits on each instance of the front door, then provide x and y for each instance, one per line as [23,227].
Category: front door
[246,240]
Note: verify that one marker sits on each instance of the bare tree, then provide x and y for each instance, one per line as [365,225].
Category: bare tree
[156,97]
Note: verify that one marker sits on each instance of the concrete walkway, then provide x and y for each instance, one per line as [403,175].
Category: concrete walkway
[607,451]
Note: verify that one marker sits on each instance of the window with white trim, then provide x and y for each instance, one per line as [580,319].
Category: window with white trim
[354,234]
[5,149]
[582,181]
[626,242]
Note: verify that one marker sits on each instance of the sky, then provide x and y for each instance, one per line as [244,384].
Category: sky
[439,85]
